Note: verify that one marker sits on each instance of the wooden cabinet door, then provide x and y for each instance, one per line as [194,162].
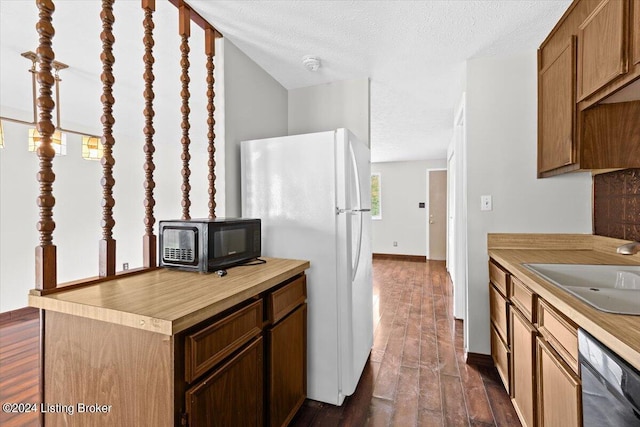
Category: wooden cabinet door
[501,356]
[635,31]
[523,386]
[559,390]
[232,395]
[557,110]
[287,361]
[602,46]
[498,308]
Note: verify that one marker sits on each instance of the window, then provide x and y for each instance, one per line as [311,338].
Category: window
[376,196]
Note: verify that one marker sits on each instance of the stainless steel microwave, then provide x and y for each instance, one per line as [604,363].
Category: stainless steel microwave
[207,245]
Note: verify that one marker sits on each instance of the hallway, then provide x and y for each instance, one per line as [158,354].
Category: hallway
[416,375]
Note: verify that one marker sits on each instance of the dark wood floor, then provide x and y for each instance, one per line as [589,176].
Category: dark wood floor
[19,364]
[416,375]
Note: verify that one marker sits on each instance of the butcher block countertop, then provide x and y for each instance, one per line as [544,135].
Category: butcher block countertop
[169,301]
[621,333]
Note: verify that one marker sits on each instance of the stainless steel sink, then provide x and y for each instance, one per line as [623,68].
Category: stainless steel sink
[610,288]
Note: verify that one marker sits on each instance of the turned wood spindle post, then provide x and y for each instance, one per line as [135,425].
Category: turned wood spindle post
[185,32]
[149,238]
[210,51]
[46,251]
[107,265]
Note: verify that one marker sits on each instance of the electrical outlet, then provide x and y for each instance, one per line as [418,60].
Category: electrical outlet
[395,243]
[125,266]
[486,203]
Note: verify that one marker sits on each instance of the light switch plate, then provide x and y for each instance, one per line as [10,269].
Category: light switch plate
[486,203]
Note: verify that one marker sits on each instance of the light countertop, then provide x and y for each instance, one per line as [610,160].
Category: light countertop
[621,333]
[169,301]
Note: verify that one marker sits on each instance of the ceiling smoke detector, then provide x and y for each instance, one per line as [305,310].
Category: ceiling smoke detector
[311,63]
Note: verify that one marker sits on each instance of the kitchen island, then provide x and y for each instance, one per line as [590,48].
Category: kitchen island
[167,347]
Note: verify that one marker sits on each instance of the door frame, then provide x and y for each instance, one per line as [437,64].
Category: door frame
[458,148]
[451,209]
[428,206]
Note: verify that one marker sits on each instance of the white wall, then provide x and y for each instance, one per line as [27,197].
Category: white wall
[404,185]
[501,161]
[343,104]
[255,108]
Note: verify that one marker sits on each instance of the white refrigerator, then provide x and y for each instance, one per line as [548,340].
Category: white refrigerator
[313,195]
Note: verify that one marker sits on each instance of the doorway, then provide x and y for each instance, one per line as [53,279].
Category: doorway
[437,214]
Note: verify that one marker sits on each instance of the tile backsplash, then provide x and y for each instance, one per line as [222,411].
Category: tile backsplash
[616,204]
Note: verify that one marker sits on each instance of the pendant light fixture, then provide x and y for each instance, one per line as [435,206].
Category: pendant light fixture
[91,144]
[92,148]
[58,139]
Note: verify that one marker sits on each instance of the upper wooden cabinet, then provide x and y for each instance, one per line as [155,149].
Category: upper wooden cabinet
[557,110]
[636,32]
[593,52]
[602,46]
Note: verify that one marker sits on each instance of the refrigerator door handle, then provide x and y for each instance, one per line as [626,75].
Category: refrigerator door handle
[356,173]
[351,211]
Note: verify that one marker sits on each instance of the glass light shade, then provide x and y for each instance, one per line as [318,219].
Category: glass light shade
[92,148]
[58,141]
[1,136]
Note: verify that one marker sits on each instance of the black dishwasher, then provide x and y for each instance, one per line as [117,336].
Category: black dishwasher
[610,386]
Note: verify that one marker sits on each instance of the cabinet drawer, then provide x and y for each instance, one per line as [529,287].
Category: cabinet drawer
[499,277]
[523,298]
[501,356]
[209,346]
[284,300]
[560,332]
[498,306]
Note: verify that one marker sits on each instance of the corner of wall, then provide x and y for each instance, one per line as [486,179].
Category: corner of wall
[255,107]
[328,106]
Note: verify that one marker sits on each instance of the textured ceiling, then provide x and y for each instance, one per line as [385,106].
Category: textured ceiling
[414,52]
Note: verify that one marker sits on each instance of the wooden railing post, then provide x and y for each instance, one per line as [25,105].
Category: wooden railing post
[149,238]
[46,252]
[210,51]
[185,32]
[107,264]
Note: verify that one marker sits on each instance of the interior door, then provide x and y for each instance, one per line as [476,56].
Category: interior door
[438,215]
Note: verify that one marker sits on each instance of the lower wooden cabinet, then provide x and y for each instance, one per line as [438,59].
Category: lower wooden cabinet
[287,359]
[244,366]
[231,395]
[537,361]
[559,390]
[501,358]
[247,366]
[523,385]
[498,306]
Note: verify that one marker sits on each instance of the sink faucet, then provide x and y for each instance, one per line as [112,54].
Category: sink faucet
[629,248]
